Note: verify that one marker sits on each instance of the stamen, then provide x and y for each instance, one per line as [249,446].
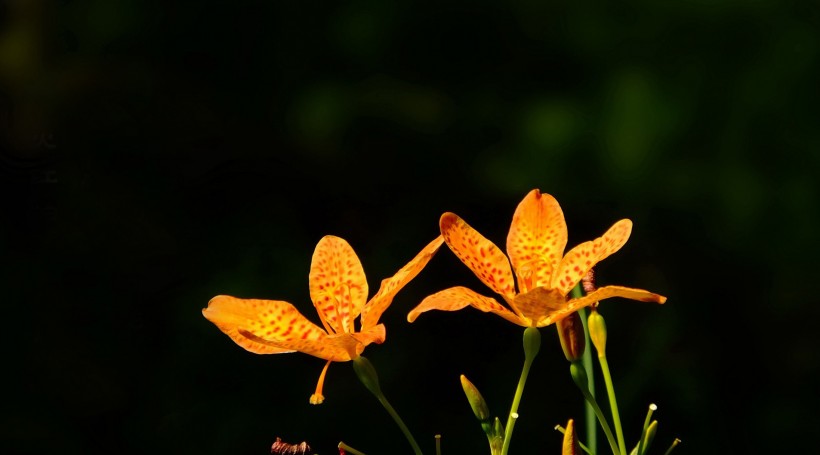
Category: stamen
[321,311]
[317,397]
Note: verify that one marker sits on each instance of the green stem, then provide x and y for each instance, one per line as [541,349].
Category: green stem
[579,376]
[349,449]
[652,408]
[532,344]
[438,444]
[589,415]
[613,403]
[367,374]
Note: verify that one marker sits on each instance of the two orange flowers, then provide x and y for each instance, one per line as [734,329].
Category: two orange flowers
[338,288]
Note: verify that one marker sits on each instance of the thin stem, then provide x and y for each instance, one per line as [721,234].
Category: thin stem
[583,447]
[652,409]
[438,444]
[532,343]
[579,377]
[613,404]
[367,375]
[589,414]
[400,423]
[349,449]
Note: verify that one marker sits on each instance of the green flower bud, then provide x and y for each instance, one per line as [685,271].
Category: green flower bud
[480,409]
[597,332]
[571,334]
[647,439]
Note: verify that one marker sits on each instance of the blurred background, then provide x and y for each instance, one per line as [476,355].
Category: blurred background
[155,154]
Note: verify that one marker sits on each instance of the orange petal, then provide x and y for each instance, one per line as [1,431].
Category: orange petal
[583,257]
[479,254]
[338,286]
[539,302]
[537,238]
[456,298]
[376,334]
[338,347]
[391,286]
[269,319]
[598,295]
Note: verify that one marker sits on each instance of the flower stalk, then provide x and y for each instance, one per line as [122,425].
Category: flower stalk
[532,344]
[579,376]
[368,376]
[597,333]
[589,411]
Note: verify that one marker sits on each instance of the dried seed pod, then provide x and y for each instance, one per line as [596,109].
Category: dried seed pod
[283,448]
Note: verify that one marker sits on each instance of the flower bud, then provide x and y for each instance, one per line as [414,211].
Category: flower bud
[597,332]
[480,409]
[648,437]
[571,334]
[570,446]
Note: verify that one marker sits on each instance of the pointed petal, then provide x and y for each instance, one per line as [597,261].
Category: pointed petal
[640,295]
[537,238]
[598,295]
[338,286]
[583,257]
[539,302]
[391,286]
[271,319]
[479,254]
[338,347]
[456,298]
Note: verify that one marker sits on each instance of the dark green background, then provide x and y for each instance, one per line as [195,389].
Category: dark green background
[158,153]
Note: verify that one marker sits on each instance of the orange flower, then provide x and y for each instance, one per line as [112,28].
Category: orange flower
[545,275]
[338,289]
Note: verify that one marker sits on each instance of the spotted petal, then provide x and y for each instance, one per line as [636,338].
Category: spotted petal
[391,286]
[479,254]
[339,347]
[338,286]
[598,295]
[537,238]
[268,319]
[376,334]
[579,260]
[456,298]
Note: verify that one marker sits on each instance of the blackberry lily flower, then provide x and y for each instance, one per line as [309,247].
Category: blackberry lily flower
[544,274]
[338,289]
